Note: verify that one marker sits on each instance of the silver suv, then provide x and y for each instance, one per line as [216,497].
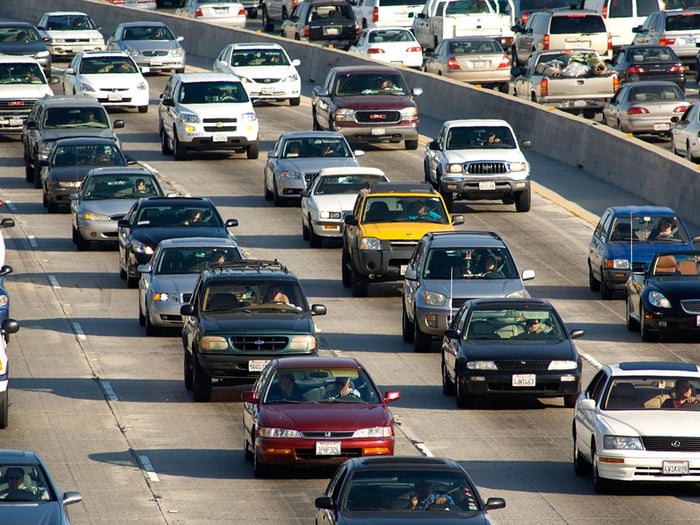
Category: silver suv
[446,270]
[678,29]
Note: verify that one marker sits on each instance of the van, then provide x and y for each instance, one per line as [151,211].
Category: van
[622,15]
[386,13]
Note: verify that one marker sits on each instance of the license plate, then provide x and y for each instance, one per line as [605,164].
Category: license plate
[221,10]
[697,320]
[114,97]
[403,269]
[267,91]
[662,127]
[156,62]
[378,131]
[256,365]
[479,64]
[16,122]
[334,31]
[524,379]
[672,468]
[487,185]
[328,448]
[219,138]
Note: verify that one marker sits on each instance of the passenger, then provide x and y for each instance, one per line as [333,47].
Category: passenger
[275,295]
[14,476]
[287,390]
[139,187]
[491,271]
[342,387]
[420,212]
[194,217]
[491,138]
[682,396]
[664,231]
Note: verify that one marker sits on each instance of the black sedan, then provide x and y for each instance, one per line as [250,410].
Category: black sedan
[647,62]
[665,297]
[68,163]
[22,38]
[510,347]
[403,489]
[152,219]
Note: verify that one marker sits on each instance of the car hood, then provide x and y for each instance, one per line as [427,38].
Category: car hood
[675,287]
[216,110]
[152,236]
[59,133]
[107,206]
[180,283]
[407,230]
[146,45]
[28,48]
[521,349]
[375,102]
[325,416]
[68,173]
[316,163]
[74,34]
[472,288]
[264,71]
[677,423]
[24,91]
[47,513]
[340,202]
[113,80]
[644,251]
[243,322]
[470,155]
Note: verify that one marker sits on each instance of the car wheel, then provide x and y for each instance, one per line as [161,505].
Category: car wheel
[570,400]
[316,241]
[674,150]
[448,198]
[464,400]
[600,485]
[37,175]
[605,291]
[305,230]
[260,469]
[632,324]
[315,125]
[406,325]
[51,206]
[266,192]
[266,25]
[514,57]
[359,283]
[279,201]
[151,329]
[247,453]
[295,101]
[422,342]
[187,371]
[345,269]
[448,386]
[80,243]
[593,283]
[131,282]
[201,382]
[411,144]
[180,150]
[28,172]
[647,336]
[4,408]
[165,143]
[523,200]
[252,151]
[142,318]
[581,466]
[253,13]
[691,157]
[143,109]
[122,273]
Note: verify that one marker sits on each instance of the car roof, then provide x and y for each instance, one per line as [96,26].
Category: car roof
[256,45]
[347,70]
[350,170]
[260,268]
[110,171]
[17,59]
[55,13]
[473,122]
[523,303]
[562,11]
[105,53]
[643,83]
[642,210]
[465,238]
[71,100]
[405,462]
[310,135]
[175,198]
[400,187]
[660,368]
[15,24]
[143,23]
[320,362]
[195,242]
[18,457]
[206,77]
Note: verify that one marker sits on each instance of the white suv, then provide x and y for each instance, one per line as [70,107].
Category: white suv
[206,111]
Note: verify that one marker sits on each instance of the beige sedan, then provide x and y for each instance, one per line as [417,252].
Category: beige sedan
[477,60]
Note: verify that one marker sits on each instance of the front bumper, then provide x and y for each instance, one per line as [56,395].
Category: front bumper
[664,322]
[66,49]
[481,187]
[242,365]
[390,133]
[105,231]
[556,383]
[165,314]
[126,98]
[161,63]
[646,466]
[328,228]
[238,139]
[302,451]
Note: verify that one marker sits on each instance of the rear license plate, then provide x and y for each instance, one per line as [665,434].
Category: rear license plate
[524,379]
[331,31]
[662,127]
[221,10]
[674,468]
[328,448]
[378,131]
[114,97]
[697,320]
[487,185]
[480,64]
[256,365]
[219,138]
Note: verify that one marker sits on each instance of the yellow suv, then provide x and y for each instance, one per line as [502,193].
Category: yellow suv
[386,223]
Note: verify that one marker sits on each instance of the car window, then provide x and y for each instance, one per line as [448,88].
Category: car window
[164,216]
[469,263]
[107,65]
[87,155]
[311,385]
[179,260]
[212,92]
[148,33]
[267,57]
[623,8]
[647,228]
[86,117]
[683,22]
[514,324]
[577,24]
[278,296]
[18,35]
[647,393]
[70,23]
[491,137]
[21,73]
[337,185]
[369,84]
[24,483]
[306,147]
[119,187]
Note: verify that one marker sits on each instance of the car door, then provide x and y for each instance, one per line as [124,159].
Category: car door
[433,157]
[434,63]
[421,26]
[334,490]
[323,104]
[679,134]
[644,34]
[611,111]
[70,76]
[166,113]
[451,346]
[190,323]
[596,249]
[271,165]
[585,420]
[250,410]
[124,237]
[525,40]
[411,282]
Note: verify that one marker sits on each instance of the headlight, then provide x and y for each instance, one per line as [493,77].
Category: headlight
[166,297]
[481,365]
[562,365]
[188,117]
[69,184]
[133,53]
[375,432]
[139,247]
[344,114]
[433,298]
[83,86]
[289,174]
[248,117]
[177,52]
[302,342]
[330,214]
[409,114]
[245,80]
[519,293]
[370,243]
[518,166]
[657,299]
[212,342]
[41,54]
[291,78]
[279,433]
[4,299]
[454,168]
[142,85]
[617,264]
[99,41]
[622,443]
[92,216]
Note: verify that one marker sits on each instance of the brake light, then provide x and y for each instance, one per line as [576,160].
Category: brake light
[374,50]
[414,49]
[680,109]
[305,31]
[576,15]
[505,62]
[241,11]
[635,70]
[198,12]
[676,69]
[375,14]
[452,63]
[616,83]
[609,41]
[664,41]
[605,11]
[545,41]
[637,110]
[357,30]
[544,87]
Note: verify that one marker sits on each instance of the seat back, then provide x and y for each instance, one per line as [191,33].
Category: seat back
[688,268]
[221,302]
[439,266]
[481,329]
[378,211]
[623,396]
[666,265]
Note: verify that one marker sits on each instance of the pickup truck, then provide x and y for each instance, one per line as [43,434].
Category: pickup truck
[442,19]
[576,81]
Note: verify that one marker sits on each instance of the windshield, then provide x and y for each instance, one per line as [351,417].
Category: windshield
[107,65]
[354,84]
[120,187]
[338,185]
[318,385]
[21,73]
[276,296]
[308,147]
[148,33]
[478,137]
[24,483]
[469,263]
[212,92]
[166,216]
[514,324]
[88,155]
[651,393]
[260,57]
[647,229]
[404,209]
[178,260]
[70,23]
[95,118]
[18,35]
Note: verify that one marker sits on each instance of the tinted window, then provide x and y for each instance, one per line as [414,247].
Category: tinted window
[148,33]
[18,35]
[358,84]
[577,24]
[515,324]
[212,93]
[228,295]
[684,22]
[469,263]
[23,73]
[194,260]
[268,57]
[76,118]
[623,8]
[107,65]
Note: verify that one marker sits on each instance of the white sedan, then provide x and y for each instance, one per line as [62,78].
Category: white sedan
[639,421]
[219,12]
[265,69]
[393,45]
[330,197]
[111,77]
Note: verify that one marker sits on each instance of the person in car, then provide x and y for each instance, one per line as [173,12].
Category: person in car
[420,212]
[275,295]
[342,387]
[14,476]
[491,271]
[287,389]
[426,496]
[664,231]
[682,396]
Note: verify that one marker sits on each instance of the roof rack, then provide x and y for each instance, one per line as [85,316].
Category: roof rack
[249,264]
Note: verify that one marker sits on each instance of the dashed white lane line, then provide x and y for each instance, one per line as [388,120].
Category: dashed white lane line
[10,206]
[148,468]
[54,282]
[78,331]
[32,241]
[592,360]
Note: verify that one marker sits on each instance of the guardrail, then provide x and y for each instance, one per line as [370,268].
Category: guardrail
[639,168]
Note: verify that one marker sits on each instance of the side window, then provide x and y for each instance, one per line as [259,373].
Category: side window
[417,255]
[330,79]
[596,386]
[335,484]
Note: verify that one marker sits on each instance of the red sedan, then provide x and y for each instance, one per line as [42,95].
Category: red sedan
[315,411]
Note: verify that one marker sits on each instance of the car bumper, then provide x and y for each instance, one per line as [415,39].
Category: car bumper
[328,229]
[12,123]
[290,188]
[483,188]
[98,230]
[69,50]
[480,77]
[547,384]
[165,314]
[60,195]
[664,322]
[200,139]
[388,264]
[577,105]
[615,279]
[242,366]
[391,133]
[648,125]
[273,91]
[648,467]
[407,59]
[131,98]
[301,451]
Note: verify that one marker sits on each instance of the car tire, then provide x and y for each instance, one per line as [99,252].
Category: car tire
[464,400]
[187,371]
[422,342]
[266,24]
[51,206]
[266,192]
[81,244]
[37,176]
[632,324]
[151,329]
[600,485]
[315,125]
[605,291]
[253,13]
[305,230]
[165,148]
[581,466]
[359,283]
[673,147]
[504,87]
[346,273]
[142,318]
[28,172]
[647,336]
[180,150]
[143,109]
[260,469]
[247,453]
[279,201]
[523,201]
[570,400]
[131,282]
[201,382]
[406,325]
[593,283]
[411,144]
[4,408]
[315,241]
[295,101]
[448,386]
[252,151]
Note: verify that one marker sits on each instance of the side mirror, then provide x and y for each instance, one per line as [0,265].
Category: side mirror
[231,223]
[180,39]
[304,193]
[320,91]
[587,404]
[296,62]
[526,144]
[69,71]
[118,124]
[10,326]
[31,124]
[5,269]
[391,395]
[145,69]
[324,502]
[318,309]
[528,275]
[410,274]
[457,220]
[145,268]
[169,102]
[53,79]
[495,503]
[451,333]
[417,91]
[249,397]
[7,223]
[73,196]
[359,152]
[351,220]
[72,496]
[123,223]
[575,334]
[434,145]
[188,309]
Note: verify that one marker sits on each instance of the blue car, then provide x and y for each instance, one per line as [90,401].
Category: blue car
[627,238]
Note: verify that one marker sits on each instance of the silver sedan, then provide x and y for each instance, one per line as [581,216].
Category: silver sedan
[684,136]
[645,107]
[150,44]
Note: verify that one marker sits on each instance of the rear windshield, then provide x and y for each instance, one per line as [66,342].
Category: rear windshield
[400,3]
[577,24]
[623,8]
[683,22]
[541,5]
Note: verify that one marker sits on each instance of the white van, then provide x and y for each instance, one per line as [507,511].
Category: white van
[385,13]
[622,15]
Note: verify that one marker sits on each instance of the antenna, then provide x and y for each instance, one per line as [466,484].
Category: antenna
[631,244]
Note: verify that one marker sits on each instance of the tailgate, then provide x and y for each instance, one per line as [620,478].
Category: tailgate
[594,87]
[332,30]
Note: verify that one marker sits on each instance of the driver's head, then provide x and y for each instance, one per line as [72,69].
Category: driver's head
[423,489]
[14,477]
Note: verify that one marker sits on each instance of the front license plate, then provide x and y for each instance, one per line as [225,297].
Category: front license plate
[378,131]
[267,91]
[16,122]
[256,365]
[156,62]
[333,31]
[524,379]
[487,185]
[328,448]
[219,138]
[674,468]
[114,97]
[403,269]
[662,127]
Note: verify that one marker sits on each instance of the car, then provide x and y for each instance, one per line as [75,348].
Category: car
[40,501]
[624,240]
[206,111]
[380,490]
[386,223]
[446,270]
[7,327]
[62,116]
[522,8]
[5,269]
[68,163]
[329,197]
[106,195]
[265,69]
[297,415]
[70,32]
[111,77]
[510,347]
[624,432]
[241,316]
[23,38]
[149,44]
[678,29]
[152,219]
[221,12]
[324,22]
[648,62]
[646,107]
[479,159]
[477,60]
[685,134]
[275,12]
[168,279]
[149,5]
[660,300]
[393,45]
[623,15]
[297,157]
[367,104]
[386,13]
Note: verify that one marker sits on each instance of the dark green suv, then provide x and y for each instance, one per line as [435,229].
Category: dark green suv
[241,315]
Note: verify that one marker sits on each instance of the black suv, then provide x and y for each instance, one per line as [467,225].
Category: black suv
[326,22]
[241,315]
[57,117]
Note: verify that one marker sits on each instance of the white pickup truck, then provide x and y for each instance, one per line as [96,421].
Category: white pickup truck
[442,19]
[577,81]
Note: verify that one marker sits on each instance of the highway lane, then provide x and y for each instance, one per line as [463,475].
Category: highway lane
[97,403]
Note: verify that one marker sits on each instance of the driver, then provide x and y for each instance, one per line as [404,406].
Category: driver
[15,483]
[425,497]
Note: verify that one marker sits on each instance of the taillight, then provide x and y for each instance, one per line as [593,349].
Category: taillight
[374,50]
[544,87]
[545,42]
[605,11]
[306,31]
[375,14]
[663,41]
[676,69]
[616,83]
[635,70]
[680,109]
[524,17]
[198,12]
[414,49]
[241,11]
[637,110]
[357,30]
[609,41]
[452,63]
[505,62]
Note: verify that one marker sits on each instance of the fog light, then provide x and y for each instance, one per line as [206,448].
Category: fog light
[476,378]
[278,451]
[431,320]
